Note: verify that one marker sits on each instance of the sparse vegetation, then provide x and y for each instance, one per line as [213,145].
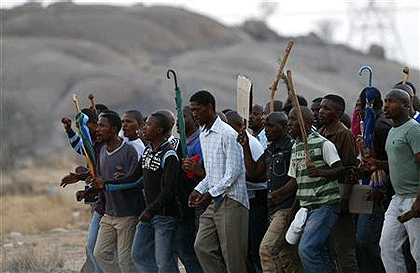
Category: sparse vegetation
[30,260]
[32,201]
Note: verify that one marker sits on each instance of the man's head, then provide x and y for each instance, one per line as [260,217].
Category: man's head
[100,108]
[410,91]
[132,123]
[374,96]
[109,124]
[235,120]
[278,107]
[397,104]
[412,87]
[315,106]
[256,118]
[289,105]
[203,107]
[332,108]
[92,122]
[276,126]
[190,124]
[307,116]
[171,118]
[157,126]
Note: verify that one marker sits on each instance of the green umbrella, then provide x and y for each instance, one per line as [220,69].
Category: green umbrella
[180,114]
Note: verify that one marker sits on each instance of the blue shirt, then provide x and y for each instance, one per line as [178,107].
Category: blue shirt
[194,145]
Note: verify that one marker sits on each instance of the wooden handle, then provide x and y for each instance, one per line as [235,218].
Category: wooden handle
[406,216]
[279,73]
[92,105]
[76,103]
[406,72]
[295,103]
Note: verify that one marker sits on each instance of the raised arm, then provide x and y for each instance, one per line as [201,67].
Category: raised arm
[254,169]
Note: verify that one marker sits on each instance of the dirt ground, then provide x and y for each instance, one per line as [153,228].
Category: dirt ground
[42,227]
[58,250]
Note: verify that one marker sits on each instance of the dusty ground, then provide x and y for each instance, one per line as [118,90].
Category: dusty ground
[57,250]
[42,227]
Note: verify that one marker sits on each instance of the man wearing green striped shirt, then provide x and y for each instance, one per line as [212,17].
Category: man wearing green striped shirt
[317,191]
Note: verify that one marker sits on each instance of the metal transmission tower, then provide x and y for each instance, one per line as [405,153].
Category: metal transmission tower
[374,24]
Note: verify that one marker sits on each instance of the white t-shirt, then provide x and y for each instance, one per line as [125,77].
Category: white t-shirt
[138,145]
[257,150]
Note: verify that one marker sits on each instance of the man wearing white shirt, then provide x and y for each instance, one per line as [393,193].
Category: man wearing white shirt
[256,124]
[132,121]
[222,239]
[257,194]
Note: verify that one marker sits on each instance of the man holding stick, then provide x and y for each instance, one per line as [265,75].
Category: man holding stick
[273,164]
[315,179]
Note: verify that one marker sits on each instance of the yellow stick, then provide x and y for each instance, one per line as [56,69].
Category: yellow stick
[279,73]
[89,161]
[406,72]
[295,103]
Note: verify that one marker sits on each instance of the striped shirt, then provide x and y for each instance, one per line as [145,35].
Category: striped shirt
[314,190]
[224,164]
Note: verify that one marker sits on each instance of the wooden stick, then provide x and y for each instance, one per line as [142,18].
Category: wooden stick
[92,104]
[406,72]
[92,168]
[295,103]
[76,103]
[279,73]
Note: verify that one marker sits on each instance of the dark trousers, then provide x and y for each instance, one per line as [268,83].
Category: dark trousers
[258,223]
[184,245]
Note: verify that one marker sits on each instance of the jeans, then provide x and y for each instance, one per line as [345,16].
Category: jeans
[344,242]
[90,264]
[319,224]
[153,245]
[394,235]
[368,233]
[184,245]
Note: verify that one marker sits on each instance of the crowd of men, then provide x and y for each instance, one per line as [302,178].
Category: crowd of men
[260,194]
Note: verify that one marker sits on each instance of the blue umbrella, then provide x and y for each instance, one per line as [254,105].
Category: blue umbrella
[369,120]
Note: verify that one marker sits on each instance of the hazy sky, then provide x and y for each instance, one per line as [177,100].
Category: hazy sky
[299,17]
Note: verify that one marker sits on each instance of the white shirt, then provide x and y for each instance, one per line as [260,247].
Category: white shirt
[224,163]
[138,145]
[262,138]
[256,151]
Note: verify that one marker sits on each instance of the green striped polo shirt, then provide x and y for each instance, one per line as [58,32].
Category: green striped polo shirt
[314,190]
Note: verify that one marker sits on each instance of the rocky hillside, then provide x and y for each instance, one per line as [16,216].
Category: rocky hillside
[121,55]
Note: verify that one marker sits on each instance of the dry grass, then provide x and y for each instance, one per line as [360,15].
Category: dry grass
[29,260]
[32,202]
[30,214]
[42,226]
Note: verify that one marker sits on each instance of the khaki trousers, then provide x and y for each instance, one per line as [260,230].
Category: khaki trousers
[115,233]
[275,253]
[221,244]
